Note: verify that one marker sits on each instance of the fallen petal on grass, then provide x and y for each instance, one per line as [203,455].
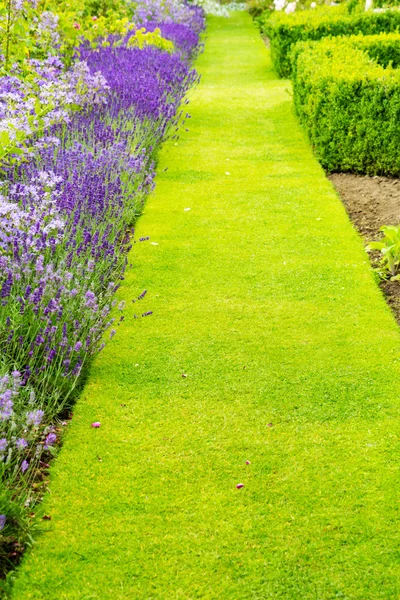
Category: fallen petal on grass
[96,424]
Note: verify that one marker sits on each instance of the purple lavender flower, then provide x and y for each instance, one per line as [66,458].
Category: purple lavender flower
[3,520]
[50,440]
[6,405]
[34,417]
[65,209]
[21,443]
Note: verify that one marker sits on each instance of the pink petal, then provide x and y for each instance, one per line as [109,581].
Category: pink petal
[248,462]
[240,486]
[96,424]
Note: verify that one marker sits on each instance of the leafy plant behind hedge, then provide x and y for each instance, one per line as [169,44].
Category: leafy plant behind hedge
[347,94]
[286,30]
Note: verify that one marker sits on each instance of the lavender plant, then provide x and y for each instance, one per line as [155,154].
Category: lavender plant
[66,216]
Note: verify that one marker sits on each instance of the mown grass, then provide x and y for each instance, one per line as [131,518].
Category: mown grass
[263,296]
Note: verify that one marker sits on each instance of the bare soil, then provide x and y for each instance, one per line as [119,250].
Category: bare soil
[372,202]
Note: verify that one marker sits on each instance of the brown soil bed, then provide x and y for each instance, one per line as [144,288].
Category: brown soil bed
[372,202]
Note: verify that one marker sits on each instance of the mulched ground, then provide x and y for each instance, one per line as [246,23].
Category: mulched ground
[372,202]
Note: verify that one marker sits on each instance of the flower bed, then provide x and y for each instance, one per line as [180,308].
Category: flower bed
[72,186]
[347,94]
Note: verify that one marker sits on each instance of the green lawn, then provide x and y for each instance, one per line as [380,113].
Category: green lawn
[263,296]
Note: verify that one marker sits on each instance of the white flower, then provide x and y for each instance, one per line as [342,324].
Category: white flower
[279,4]
[291,7]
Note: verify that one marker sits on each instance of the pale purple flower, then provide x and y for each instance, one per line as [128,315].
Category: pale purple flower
[6,405]
[3,520]
[50,440]
[34,417]
[24,466]
[3,444]
[21,443]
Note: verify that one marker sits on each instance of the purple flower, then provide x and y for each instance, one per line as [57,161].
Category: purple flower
[90,299]
[3,520]
[6,405]
[50,440]
[65,209]
[34,417]
[21,443]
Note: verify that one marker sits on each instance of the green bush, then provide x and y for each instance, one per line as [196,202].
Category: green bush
[257,7]
[285,30]
[347,94]
[386,3]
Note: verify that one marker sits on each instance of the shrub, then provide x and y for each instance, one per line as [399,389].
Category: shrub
[347,94]
[285,30]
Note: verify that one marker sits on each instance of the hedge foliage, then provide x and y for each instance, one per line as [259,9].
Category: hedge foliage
[285,30]
[347,94]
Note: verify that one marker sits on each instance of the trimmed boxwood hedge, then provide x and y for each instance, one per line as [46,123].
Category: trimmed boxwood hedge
[347,94]
[285,30]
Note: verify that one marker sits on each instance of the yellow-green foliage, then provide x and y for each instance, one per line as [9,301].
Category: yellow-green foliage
[285,30]
[20,37]
[23,38]
[75,26]
[143,38]
[347,94]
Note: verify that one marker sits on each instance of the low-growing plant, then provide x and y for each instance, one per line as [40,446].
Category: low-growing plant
[142,38]
[389,248]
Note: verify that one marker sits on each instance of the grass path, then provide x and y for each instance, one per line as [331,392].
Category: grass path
[263,297]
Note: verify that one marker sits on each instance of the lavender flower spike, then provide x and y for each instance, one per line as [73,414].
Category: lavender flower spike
[50,440]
